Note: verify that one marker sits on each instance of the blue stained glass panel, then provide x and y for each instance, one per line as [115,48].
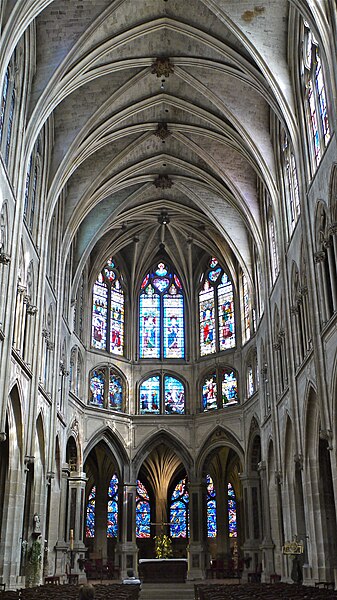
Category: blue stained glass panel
[173,326]
[161,270]
[207,320]
[115,392]
[97,381]
[143,512]
[90,516]
[112,525]
[174,396]
[149,324]
[149,396]
[229,389]
[161,284]
[117,322]
[232,523]
[179,511]
[214,275]
[226,314]
[213,262]
[99,314]
[209,394]
[211,508]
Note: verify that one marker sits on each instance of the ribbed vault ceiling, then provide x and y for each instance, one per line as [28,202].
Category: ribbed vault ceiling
[94,78]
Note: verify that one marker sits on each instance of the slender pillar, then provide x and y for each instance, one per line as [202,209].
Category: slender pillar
[268,566]
[127,549]
[196,550]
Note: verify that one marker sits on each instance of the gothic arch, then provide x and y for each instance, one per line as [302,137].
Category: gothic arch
[311,424]
[166,438]
[218,438]
[114,444]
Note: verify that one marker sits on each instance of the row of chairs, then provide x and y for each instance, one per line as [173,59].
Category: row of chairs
[114,591]
[261,591]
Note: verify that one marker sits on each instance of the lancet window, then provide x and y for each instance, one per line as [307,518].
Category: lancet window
[106,389]
[179,513]
[112,525]
[162,394]
[90,514]
[219,389]
[143,512]
[161,315]
[290,181]
[232,520]
[108,310]
[216,310]
[211,508]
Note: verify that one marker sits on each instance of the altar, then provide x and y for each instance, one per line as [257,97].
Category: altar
[169,570]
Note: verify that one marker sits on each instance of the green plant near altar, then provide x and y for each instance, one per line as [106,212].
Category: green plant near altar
[163,546]
[33,564]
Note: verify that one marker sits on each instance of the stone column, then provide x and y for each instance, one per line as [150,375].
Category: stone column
[268,566]
[196,549]
[18,317]
[223,545]
[319,259]
[252,523]
[126,548]
[76,512]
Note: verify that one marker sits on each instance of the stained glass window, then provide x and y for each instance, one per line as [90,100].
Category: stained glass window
[115,392]
[273,246]
[250,381]
[112,526]
[211,508]
[179,511]
[162,393]
[90,516]
[106,389]
[108,311]
[216,310]
[229,389]
[227,395]
[174,396]
[291,181]
[149,396]
[4,101]
[209,394]
[97,384]
[232,521]
[313,79]
[143,512]
[161,315]
[246,308]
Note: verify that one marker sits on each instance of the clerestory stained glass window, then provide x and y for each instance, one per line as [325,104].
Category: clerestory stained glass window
[112,526]
[232,521]
[216,310]
[108,310]
[162,394]
[90,514]
[315,94]
[211,508]
[143,512]
[179,510]
[222,396]
[161,315]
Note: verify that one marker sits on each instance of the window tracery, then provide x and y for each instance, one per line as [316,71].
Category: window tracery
[216,310]
[225,394]
[162,394]
[161,315]
[108,310]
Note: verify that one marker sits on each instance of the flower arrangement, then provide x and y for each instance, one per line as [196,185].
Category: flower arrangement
[163,546]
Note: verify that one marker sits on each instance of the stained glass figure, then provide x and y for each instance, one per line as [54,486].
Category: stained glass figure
[149,396]
[149,323]
[216,306]
[209,393]
[211,508]
[161,315]
[174,396]
[246,308]
[232,521]
[143,511]
[207,320]
[115,392]
[108,310]
[250,382]
[99,314]
[112,526]
[229,389]
[90,514]
[117,319]
[226,314]
[97,383]
[179,511]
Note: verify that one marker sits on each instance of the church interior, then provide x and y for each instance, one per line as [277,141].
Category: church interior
[168,289]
